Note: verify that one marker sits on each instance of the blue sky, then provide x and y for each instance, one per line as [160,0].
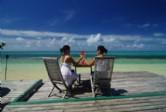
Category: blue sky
[83,24]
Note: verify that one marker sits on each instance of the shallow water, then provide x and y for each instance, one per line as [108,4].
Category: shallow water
[33,68]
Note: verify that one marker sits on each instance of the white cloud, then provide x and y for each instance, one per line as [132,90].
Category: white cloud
[20,39]
[69,14]
[134,46]
[158,34]
[53,22]
[38,43]
[28,44]
[8,20]
[148,25]
[144,25]
[138,45]
[163,42]
[94,39]
[52,41]
[66,40]
[27,33]
[111,39]
[66,16]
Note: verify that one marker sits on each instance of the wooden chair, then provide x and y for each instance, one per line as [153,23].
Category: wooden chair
[55,76]
[102,76]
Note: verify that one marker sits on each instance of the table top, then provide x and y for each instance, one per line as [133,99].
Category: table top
[83,65]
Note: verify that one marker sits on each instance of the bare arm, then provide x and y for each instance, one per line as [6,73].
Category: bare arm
[91,62]
[76,62]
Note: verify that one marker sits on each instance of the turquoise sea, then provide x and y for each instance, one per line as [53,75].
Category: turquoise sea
[117,54]
[29,64]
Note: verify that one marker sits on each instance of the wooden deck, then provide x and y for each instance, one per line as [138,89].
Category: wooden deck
[14,90]
[131,91]
[141,104]
[122,84]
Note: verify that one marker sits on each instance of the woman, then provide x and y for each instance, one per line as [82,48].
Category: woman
[101,51]
[66,61]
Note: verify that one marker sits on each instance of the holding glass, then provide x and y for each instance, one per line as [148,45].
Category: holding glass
[83,60]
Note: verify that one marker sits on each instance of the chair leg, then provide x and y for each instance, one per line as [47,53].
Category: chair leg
[79,79]
[60,90]
[92,87]
[68,92]
[51,91]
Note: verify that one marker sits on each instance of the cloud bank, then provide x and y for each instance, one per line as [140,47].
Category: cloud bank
[41,40]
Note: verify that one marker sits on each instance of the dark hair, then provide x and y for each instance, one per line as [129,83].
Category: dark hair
[102,49]
[64,48]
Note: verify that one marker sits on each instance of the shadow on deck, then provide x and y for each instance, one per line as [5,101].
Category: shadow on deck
[4,91]
[85,87]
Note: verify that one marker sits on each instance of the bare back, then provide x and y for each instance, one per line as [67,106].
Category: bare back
[67,59]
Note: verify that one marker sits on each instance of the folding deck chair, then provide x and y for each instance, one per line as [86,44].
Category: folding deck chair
[102,76]
[54,73]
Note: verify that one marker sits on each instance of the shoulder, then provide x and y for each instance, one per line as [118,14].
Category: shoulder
[68,58]
[100,56]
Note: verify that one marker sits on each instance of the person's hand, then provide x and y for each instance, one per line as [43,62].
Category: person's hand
[83,61]
[82,54]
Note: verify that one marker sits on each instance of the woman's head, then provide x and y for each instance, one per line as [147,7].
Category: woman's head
[101,50]
[65,49]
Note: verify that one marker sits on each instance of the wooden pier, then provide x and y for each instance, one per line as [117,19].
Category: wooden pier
[130,92]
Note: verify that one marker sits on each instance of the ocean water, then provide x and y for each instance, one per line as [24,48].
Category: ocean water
[117,54]
[29,65]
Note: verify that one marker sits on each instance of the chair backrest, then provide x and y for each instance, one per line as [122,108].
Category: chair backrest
[53,70]
[103,68]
